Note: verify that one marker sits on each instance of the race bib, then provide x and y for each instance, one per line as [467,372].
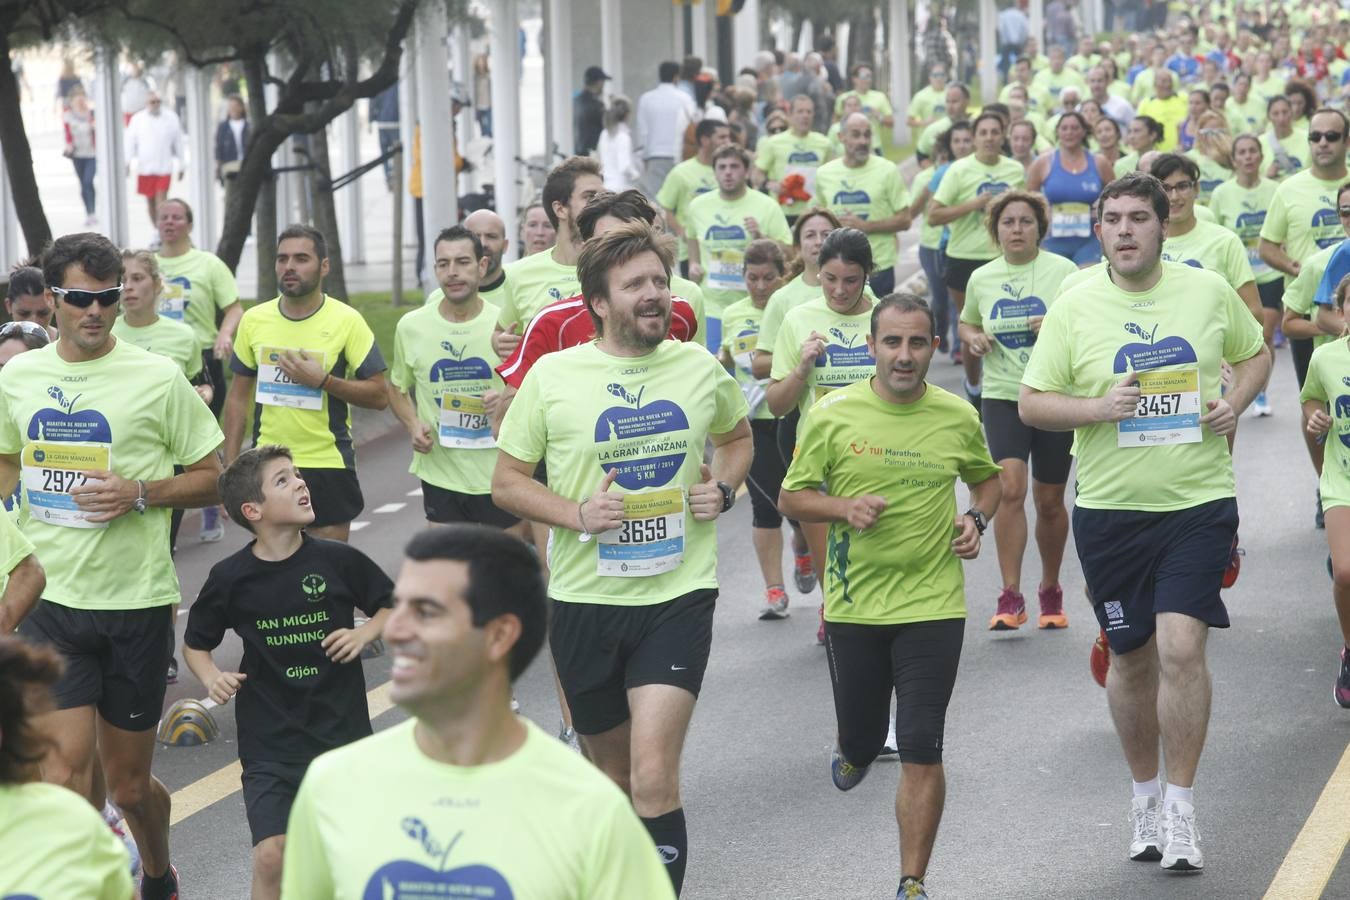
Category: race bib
[651,539]
[275,387]
[743,350]
[50,470]
[727,270]
[171,306]
[1070,220]
[1168,411]
[464,423]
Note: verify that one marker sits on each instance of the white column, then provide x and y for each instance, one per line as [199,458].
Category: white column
[841,32]
[111,181]
[407,115]
[506,111]
[439,197]
[351,220]
[201,125]
[898,48]
[745,29]
[611,43]
[699,18]
[10,232]
[807,42]
[988,48]
[461,64]
[1036,18]
[560,83]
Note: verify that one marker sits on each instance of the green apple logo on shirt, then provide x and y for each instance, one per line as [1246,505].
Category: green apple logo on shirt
[404,879]
[1154,354]
[65,424]
[642,442]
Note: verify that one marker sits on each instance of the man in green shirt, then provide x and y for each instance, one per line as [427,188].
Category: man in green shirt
[929,104]
[470,614]
[895,603]
[1166,107]
[689,179]
[490,230]
[96,425]
[866,192]
[622,423]
[799,152]
[1053,80]
[1130,359]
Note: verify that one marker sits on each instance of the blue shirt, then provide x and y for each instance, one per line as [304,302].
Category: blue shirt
[1337,268]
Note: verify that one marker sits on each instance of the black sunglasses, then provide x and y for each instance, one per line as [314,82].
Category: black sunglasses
[22,328]
[1331,136]
[84,299]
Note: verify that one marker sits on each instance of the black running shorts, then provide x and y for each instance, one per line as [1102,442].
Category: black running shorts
[1011,438]
[269,793]
[335,495]
[766,475]
[601,651]
[115,659]
[445,507]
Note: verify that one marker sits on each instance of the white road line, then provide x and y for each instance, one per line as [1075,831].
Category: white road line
[357,526]
[390,508]
[415,492]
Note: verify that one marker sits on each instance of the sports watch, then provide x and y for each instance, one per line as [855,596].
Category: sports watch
[139,505]
[728,495]
[981,521]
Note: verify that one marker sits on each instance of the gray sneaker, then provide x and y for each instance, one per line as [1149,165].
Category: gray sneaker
[1146,844]
[1181,839]
[911,889]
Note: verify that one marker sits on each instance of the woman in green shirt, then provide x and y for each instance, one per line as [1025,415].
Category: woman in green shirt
[1143,136]
[1284,146]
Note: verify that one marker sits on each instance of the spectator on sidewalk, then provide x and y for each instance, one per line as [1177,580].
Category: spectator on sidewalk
[231,138]
[588,112]
[135,91]
[662,115]
[79,127]
[155,147]
[615,148]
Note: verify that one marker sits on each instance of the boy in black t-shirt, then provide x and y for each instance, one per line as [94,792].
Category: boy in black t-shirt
[290,597]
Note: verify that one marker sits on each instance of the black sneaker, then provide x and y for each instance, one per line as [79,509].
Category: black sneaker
[1343,680]
[165,887]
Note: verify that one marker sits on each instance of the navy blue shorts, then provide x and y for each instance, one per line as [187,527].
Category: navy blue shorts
[1138,564]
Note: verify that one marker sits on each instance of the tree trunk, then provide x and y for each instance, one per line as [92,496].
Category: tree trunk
[862,39]
[254,188]
[325,214]
[19,158]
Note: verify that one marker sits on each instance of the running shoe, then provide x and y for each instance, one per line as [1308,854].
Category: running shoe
[168,892]
[213,529]
[1278,340]
[1181,839]
[1052,608]
[890,750]
[820,632]
[1342,693]
[911,889]
[569,737]
[777,605]
[843,773]
[113,816]
[1100,659]
[1320,519]
[1235,554]
[804,573]
[956,357]
[1261,406]
[172,676]
[1012,612]
[1145,816]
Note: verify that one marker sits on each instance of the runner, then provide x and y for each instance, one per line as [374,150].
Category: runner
[1143,136]
[1008,301]
[929,103]
[304,359]
[1070,177]
[468,618]
[788,161]
[894,585]
[719,226]
[1284,145]
[51,843]
[691,178]
[1246,111]
[490,230]
[1155,515]
[1323,389]
[1240,205]
[1166,107]
[290,598]
[958,110]
[866,192]
[876,106]
[26,298]
[956,143]
[537,233]
[1213,153]
[764,271]
[643,567]
[1052,81]
[99,484]
[960,202]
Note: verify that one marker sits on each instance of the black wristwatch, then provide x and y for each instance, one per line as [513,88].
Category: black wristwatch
[981,522]
[728,495]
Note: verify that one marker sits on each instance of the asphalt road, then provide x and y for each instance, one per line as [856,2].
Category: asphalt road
[1037,789]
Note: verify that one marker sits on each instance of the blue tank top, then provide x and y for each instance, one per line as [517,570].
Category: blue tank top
[1071,197]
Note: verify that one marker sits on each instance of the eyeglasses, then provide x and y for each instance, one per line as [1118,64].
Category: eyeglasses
[1345,212]
[29,329]
[1329,136]
[84,299]
[776,129]
[1180,187]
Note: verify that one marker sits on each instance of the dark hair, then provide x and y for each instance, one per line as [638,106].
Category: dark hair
[668,70]
[613,249]
[988,114]
[630,206]
[1345,120]
[1339,294]
[1082,122]
[458,233]
[187,209]
[95,254]
[1137,184]
[1110,121]
[903,301]
[1154,127]
[25,279]
[562,179]
[765,252]
[1341,190]
[849,245]
[824,43]
[796,262]
[1278,98]
[691,67]
[314,235]
[1220,85]
[1008,198]
[1202,92]
[24,667]
[944,140]
[1248,136]
[965,91]
[1304,90]
[242,480]
[504,580]
[736,150]
[1001,110]
[1167,163]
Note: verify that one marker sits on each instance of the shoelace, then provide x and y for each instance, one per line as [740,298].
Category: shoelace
[1181,829]
[1146,825]
[914,889]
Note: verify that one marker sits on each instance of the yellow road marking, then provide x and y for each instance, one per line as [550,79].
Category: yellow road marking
[1317,850]
[224,782]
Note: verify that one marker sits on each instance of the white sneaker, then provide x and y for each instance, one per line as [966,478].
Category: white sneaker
[891,749]
[1181,839]
[1144,815]
[1261,406]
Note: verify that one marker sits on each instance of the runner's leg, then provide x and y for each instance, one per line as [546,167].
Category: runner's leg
[70,759]
[1338,538]
[267,855]
[1132,694]
[1052,528]
[1183,694]
[1010,524]
[139,795]
[338,532]
[661,714]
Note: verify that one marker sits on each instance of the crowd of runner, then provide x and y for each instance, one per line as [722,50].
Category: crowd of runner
[1115,249]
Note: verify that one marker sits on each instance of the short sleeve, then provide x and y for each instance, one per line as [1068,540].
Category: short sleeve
[970,312]
[1051,365]
[787,352]
[977,465]
[1276,226]
[731,405]
[1236,262]
[810,461]
[224,289]
[777,226]
[669,195]
[306,873]
[1243,337]
[524,432]
[189,427]
[1298,293]
[14,547]
[193,366]
[401,373]
[1312,385]
[242,360]
[361,346]
[763,159]
[11,432]
[949,190]
[371,587]
[208,617]
[898,192]
[1337,268]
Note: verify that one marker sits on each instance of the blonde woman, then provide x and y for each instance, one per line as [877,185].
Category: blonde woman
[615,147]
[1213,153]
